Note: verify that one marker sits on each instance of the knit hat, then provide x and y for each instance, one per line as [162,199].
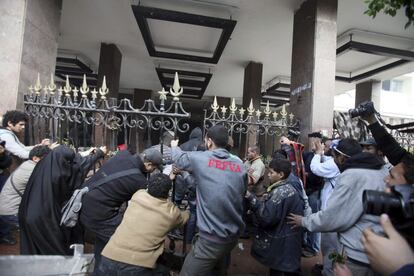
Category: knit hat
[153,156]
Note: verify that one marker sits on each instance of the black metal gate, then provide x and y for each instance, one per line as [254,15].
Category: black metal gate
[81,117]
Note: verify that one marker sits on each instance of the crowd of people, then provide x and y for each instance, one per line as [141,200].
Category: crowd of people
[301,204]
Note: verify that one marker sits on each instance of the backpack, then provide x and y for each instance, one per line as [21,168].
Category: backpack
[70,211]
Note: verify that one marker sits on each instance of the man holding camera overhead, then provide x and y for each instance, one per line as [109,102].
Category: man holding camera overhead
[344,212]
[391,254]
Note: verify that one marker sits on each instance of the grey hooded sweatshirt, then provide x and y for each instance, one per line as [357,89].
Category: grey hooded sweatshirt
[344,212]
[221,185]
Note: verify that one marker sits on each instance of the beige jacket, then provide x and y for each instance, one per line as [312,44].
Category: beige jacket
[256,169]
[139,239]
[9,198]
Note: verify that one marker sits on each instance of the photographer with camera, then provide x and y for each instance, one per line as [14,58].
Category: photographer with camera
[403,161]
[344,212]
[389,254]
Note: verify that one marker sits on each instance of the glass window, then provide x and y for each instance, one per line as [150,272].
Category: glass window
[393,85]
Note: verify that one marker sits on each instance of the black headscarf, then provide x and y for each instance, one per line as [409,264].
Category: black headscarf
[50,186]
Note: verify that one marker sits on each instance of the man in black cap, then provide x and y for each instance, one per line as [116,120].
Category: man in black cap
[115,183]
[370,145]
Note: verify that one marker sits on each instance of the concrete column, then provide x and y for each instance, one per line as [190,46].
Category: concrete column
[226,101]
[368,91]
[29,32]
[251,90]
[110,60]
[109,66]
[140,95]
[313,65]
[252,84]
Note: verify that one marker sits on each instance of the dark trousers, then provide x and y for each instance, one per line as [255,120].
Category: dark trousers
[281,273]
[97,250]
[207,258]
[7,223]
[192,222]
[108,267]
[312,240]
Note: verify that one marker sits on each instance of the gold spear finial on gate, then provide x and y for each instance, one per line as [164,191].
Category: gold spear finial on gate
[250,109]
[38,86]
[84,89]
[215,106]
[258,113]
[267,110]
[283,112]
[103,90]
[67,87]
[233,107]
[176,90]
[52,85]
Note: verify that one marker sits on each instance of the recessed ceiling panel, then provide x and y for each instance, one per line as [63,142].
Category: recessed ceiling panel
[377,53]
[168,43]
[353,61]
[174,37]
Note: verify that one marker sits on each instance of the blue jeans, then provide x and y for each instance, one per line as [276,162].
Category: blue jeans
[7,222]
[110,267]
[192,222]
[312,241]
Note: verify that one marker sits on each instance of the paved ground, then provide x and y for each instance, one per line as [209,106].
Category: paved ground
[241,261]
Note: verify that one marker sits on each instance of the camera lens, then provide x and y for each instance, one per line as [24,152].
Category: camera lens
[355,112]
[377,203]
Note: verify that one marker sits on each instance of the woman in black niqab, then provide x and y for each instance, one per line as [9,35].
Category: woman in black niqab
[50,186]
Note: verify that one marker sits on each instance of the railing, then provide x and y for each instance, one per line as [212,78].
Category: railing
[251,122]
[80,116]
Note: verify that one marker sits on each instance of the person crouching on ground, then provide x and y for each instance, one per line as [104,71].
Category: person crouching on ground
[138,241]
[276,244]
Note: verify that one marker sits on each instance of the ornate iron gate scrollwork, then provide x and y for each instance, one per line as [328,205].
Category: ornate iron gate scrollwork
[256,122]
[56,111]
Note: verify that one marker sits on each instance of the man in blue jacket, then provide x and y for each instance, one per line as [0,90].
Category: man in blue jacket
[278,245]
[221,185]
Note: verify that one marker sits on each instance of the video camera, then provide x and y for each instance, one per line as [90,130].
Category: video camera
[398,205]
[363,109]
[293,134]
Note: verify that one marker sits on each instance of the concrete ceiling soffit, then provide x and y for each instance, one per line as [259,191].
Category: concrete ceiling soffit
[183,36]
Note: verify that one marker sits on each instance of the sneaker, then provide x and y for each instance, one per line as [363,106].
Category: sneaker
[8,240]
[308,254]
